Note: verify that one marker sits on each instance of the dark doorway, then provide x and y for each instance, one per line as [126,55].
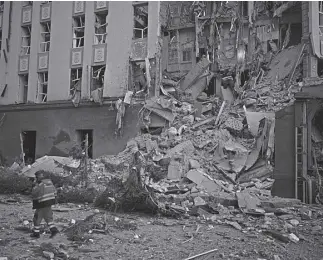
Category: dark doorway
[81,136]
[29,146]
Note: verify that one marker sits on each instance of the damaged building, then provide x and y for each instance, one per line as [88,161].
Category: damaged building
[264,60]
[64,73]
[252,69]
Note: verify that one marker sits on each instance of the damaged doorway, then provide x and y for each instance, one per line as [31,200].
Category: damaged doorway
[81,139]
[29,146]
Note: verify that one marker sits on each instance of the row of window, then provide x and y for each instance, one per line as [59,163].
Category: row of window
[78,28]
[100,26]
[75,83]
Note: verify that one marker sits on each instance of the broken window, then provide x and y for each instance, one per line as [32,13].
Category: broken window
[45,37]
[101,23]
[139,82]
[187,55]
[78,31]
[172,56]
[76,80]
[321,16]
[173,48]
[140,21]
[23,80]
[42,87]
[97,77]
[1,6]
[187,49]
[244,8]
[25,40]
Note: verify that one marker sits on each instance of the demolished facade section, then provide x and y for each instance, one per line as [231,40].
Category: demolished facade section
[230,66]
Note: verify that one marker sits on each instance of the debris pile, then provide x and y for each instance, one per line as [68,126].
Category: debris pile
[98,223]
[201,150]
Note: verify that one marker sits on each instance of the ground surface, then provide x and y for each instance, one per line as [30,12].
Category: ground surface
[153,238]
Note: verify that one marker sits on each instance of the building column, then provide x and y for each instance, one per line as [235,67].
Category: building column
[309,60]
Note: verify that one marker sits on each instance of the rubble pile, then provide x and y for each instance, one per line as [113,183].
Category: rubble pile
[204,153]
[11,182]
[190,164]
[97,223]
[204,150]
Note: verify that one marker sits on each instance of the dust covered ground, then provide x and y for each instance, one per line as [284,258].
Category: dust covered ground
[138,236]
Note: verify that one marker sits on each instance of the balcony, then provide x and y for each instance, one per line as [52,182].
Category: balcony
[100,38]
[139,49]
[45,12]
[26,15]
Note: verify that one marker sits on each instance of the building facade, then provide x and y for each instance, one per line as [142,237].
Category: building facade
[63,68]
[52,51]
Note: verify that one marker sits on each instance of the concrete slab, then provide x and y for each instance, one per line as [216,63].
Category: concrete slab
[198,177]
[246,201]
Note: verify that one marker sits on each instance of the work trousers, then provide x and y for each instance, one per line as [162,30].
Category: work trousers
[43,213]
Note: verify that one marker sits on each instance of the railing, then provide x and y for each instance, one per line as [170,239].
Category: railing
[142,32]
[41,96]
[25,50]
[73,88]
[100,38]
[78,42]
[44,98]
[44,46]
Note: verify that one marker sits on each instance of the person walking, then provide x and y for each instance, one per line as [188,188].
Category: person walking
[43,196]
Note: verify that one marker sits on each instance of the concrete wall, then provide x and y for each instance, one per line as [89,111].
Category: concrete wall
[88,43]
[60,50]
[5,33]
[50,123]
[119,44]
[119,39]
[9,71]
[153,28]
[34,49]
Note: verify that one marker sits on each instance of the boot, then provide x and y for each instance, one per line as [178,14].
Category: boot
[35,235]
[54,231]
